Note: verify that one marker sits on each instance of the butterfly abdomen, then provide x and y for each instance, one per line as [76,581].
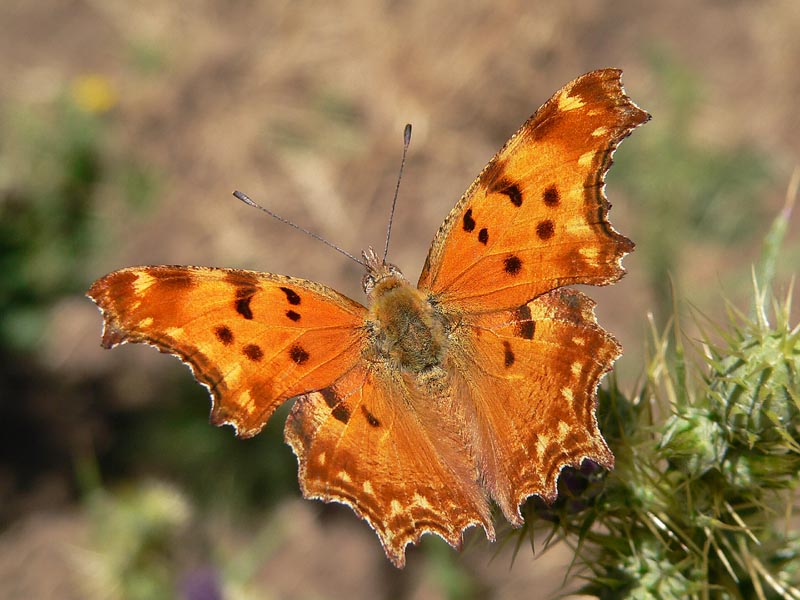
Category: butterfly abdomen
[406,329]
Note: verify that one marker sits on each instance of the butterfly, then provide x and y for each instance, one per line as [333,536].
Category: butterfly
[422,408]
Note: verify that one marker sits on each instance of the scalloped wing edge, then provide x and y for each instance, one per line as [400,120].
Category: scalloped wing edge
[396,553]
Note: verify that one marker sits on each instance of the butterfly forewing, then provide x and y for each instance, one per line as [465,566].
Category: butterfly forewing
[254,339]
[535,218]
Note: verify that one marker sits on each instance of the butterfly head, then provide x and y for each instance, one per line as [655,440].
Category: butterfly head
[380,274]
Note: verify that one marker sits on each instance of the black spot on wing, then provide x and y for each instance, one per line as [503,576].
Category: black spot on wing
[468,222]
[550,196]
[253,352]
[341,413]
[526,326]
[513,193]
[545,229]
[294,316]
[330,396]
[508,354]
[512,265]
[500,184]
[291,296]
[224,334]
[242,306]
[246,286]
[298,354]
[370,417]
[483,236]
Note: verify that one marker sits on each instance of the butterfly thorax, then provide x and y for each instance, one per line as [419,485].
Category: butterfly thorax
[406,329]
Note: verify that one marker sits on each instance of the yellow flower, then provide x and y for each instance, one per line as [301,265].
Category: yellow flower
[93,93]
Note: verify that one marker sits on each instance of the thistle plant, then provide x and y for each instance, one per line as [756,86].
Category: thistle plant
[708,464]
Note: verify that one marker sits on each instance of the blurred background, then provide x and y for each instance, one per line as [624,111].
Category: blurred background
[124,128]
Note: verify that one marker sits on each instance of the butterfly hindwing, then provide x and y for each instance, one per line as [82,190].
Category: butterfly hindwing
[535,218]
[359,442]
[535,393]
[254,339]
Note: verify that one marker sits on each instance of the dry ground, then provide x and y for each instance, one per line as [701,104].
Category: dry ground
[302,106]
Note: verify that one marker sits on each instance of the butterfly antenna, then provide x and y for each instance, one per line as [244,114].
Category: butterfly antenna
[406,142]
[246,199]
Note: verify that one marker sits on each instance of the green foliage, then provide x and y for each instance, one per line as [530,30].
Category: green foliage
[147,57]
[139,537]
[134,537]
[53,164]
[217,469]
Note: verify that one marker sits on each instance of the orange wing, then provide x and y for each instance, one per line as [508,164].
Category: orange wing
[254,339]
[361,442]
[532,375]
[535,218]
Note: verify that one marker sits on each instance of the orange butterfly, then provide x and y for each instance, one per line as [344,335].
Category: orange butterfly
[478,384]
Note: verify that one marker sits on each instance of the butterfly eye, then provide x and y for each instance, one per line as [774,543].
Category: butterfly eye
[368,283]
